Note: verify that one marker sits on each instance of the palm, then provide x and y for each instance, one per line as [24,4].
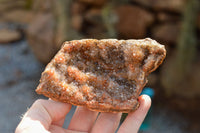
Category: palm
[48,115]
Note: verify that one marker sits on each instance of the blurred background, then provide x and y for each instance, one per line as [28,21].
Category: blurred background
[32,31]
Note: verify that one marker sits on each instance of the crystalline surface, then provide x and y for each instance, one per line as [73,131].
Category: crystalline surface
[103,75]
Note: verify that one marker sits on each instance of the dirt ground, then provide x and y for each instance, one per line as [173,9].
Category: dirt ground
[19,76]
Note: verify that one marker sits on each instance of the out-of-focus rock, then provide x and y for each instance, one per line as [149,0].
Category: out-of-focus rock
[188,87]
[198,21]
[169,5]
[77,11]
[40,36]
[77,8]
[18,16]
[180,73]
[133,21]
[50,27]
[153,80]
[164,17]
[97,28]
[7,5]
[94,2]
[166,33]
[96,31]
[77,21]
[7,36]
[94,16]
[43,5]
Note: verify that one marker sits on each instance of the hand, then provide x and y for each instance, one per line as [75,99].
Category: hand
[46,116]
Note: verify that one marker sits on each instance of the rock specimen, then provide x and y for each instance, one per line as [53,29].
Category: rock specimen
[103,75]
[8,35]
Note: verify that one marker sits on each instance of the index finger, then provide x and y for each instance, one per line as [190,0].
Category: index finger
[134,120]
[42,113]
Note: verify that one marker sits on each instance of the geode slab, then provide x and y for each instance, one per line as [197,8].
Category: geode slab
[103,75]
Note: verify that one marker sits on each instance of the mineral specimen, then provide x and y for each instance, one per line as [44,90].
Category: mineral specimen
[103,75]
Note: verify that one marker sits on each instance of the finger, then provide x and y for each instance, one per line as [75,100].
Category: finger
[82,120]
[59,122]
[71,131]
[42,113]
[56,129]
[134,120]
[107,123]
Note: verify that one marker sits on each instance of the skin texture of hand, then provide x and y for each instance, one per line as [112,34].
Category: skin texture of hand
[47,116]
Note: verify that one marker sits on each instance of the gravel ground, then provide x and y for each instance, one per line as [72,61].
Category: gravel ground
[19,76]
